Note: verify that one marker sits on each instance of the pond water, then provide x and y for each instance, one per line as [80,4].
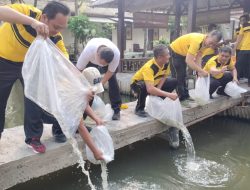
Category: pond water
[223,162]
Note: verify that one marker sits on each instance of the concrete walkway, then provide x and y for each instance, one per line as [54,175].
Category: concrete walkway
[19,164]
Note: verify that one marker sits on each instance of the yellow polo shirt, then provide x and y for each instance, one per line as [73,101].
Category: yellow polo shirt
[15,39]
[188,43]
[208,51]
[236,34]
[152,72]
[214,63]
[245,31]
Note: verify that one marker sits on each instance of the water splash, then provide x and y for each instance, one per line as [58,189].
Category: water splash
[130,183]
[81,161]
[203,172]
[104,175]
[188,141]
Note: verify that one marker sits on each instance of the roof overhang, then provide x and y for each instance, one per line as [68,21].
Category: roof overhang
[167,6]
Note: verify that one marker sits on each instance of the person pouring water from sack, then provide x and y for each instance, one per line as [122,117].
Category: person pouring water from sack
[22,24]
[188,50]
[153,78]
[105,56]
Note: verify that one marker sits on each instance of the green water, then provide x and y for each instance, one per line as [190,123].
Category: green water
[151,165]
[221,144]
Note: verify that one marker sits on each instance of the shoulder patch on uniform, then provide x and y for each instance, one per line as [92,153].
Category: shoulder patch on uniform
[56,38]
[154,68]
[165,66]
[33,14]
[28,28]
[217,62]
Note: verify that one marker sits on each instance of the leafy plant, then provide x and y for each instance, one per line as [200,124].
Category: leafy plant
[105,30]
[161,41]
[82,28]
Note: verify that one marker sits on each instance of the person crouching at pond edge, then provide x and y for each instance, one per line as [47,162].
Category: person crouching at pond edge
[186,51]
[153,79]
[222,70]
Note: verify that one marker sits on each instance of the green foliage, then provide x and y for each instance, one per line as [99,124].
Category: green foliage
[161,41]
[82,28]
[105,30]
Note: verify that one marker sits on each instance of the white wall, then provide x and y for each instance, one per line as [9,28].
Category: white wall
[138,37]
[163,33]
[68,37]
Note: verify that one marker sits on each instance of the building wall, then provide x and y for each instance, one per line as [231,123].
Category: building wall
[68,37]
[138,37]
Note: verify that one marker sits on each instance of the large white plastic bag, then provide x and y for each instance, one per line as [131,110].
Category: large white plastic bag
[233,90]
[166,110]
[105,112]
[201,91]
[103,142]
[53,82]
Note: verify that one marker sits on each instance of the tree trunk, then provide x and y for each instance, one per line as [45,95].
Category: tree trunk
[76,8]
[75,39]
[35,3]
[76,47]
[145,42]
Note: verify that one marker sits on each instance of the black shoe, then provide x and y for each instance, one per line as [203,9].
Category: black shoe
[221,92]
[211,97]
[0,135]
[183,98]
[173,137]
[141,113]
[60,138]
[116,116]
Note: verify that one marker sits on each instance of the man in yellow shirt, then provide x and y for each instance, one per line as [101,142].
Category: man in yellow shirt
[153,79]
[243,46]
[22,24]
[218,67]
[187,50]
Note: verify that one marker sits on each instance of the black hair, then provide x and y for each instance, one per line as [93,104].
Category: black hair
[217,34]
[159,50]
[55,7]
[246,16]
[107,54]
[212,27]
[226,49]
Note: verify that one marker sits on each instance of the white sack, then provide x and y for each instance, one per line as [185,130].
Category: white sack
[105,112]
[167,111]
[233,90]
[201,91]
[103,142]
[53,82]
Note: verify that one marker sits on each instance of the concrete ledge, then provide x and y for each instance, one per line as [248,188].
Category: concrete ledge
[19,164]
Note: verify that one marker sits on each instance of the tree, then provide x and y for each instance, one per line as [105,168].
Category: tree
[104,30]
[162,41]
[82,28]
[78,4]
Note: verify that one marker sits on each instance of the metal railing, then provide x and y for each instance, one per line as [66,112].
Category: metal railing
[132,65]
